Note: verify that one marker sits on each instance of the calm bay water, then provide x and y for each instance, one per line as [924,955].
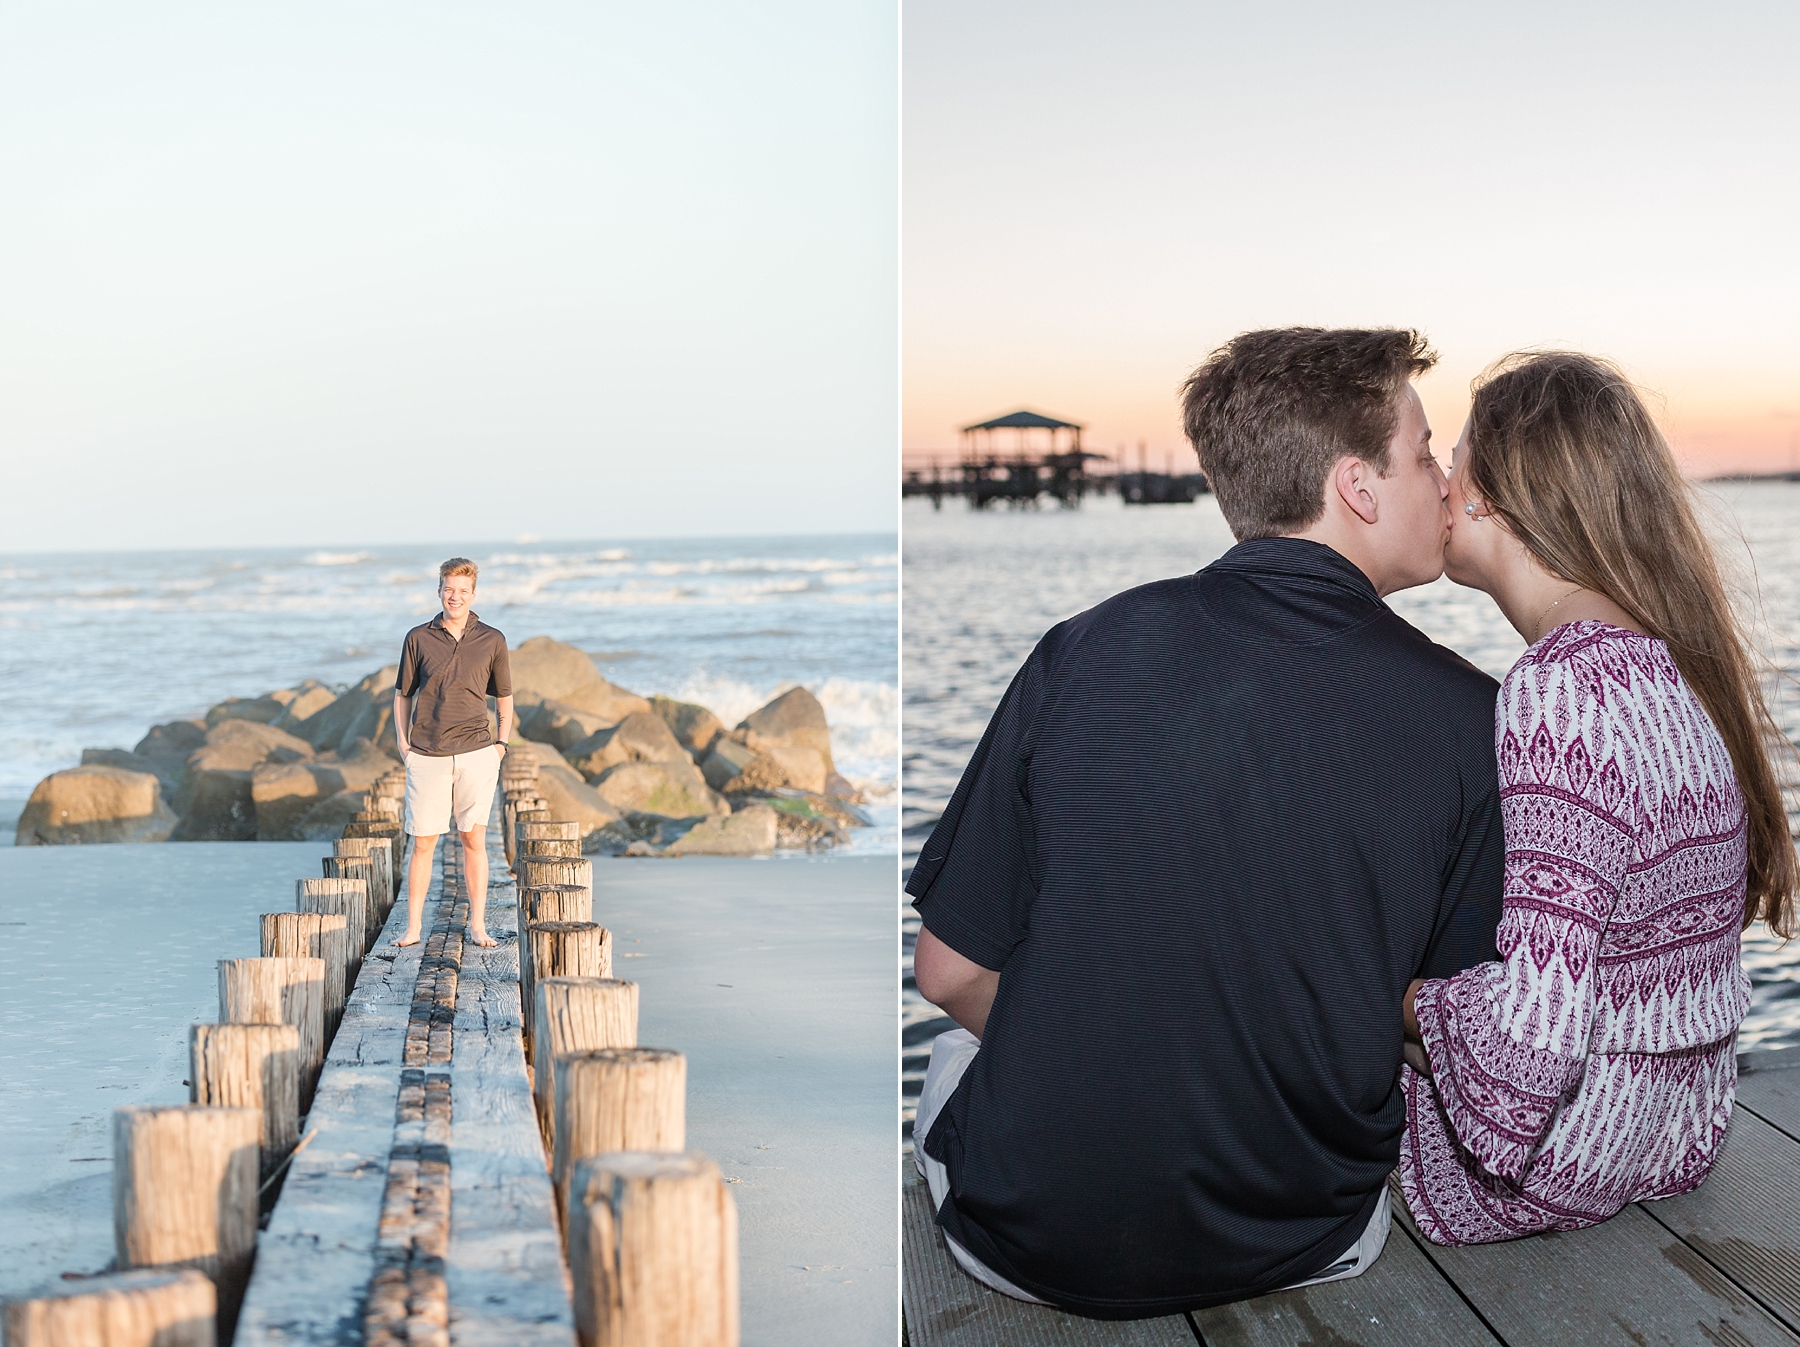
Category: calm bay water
[95,648]
[979,590]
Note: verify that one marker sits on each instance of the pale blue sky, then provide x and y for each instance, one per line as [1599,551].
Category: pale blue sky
[340,273]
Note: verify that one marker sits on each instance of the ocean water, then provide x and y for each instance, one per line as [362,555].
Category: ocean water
[980,589]
[97,647]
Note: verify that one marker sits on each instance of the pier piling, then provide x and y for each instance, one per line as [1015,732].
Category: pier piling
[535,872]
[279,991]
[576,949]
[362,868]
[345,898]
[615,1099]
[543,903]
[251,1066]
[653,1252]
[313,935]
[576,1015]
[184,1194]
[379,851]
[146,1307]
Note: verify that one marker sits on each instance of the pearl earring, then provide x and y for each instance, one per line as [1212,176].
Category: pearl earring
[1470,511]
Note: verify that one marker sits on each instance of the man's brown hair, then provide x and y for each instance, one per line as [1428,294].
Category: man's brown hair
[1271,411]
[459,566]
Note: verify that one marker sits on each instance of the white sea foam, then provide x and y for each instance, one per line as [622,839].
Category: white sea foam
[336,558]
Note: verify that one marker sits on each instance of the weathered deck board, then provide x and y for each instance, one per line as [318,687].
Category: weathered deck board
[505,1264]
[314,1260]
[946,1308]
[1745,1219]
[1628,1280]
[1769,1086]
[1403,1300]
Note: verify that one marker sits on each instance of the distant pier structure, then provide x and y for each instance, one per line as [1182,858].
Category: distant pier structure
[1042,457]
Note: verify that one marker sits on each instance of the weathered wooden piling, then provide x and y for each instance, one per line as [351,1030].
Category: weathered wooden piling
[314,935]
[550,839]
[184,1194]
[575,949]
[279,991]
[653,1252]
[363,868]
[529,811]
[555,902]
[379,851]
[250,1066]
[145,1307]
[616,1099]
[347,898]
[537,871]
[576,1015]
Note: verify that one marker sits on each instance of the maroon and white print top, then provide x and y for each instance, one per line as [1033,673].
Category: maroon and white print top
[1594,1064]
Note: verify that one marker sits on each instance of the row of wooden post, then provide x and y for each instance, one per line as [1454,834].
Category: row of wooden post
[649,1227]
[189,1180]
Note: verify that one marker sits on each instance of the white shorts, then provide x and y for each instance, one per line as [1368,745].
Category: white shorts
[461,785]
[951,1054]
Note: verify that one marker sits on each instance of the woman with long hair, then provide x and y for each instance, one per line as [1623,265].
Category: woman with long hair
[1595,1063]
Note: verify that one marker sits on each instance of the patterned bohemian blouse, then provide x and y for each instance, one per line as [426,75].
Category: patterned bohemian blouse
[1594,1065]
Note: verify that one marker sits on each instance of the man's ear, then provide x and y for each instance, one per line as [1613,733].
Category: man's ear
[1354,482]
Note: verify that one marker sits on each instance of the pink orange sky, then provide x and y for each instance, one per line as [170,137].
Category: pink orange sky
[1096,196]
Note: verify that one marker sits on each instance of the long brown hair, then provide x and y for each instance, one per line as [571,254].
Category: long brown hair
[1563,450]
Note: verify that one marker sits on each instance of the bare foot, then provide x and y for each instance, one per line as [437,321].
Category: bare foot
[483,939]
[410,938]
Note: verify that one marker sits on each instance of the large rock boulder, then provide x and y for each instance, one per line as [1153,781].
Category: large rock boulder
[672,789]
[302,703]
[782,765]
[640,737]
[168,748]
[559,724]
[726,761]
[695,728]
[95,804]
[217,802]
[285,793]
[326,820]
[749,832]
[261,710]
[548,670]
[353,715]
[794,719]
[117,757]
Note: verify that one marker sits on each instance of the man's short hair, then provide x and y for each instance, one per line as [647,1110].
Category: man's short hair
[1271,411]
[459,566]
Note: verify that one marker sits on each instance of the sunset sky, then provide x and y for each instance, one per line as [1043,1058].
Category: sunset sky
[1097,195]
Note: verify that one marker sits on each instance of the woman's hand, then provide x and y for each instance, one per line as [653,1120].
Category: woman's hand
[1412,1046]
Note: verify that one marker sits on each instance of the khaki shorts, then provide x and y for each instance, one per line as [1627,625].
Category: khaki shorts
[459,787]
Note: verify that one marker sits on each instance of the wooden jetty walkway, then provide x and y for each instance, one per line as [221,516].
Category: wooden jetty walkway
[1718,1266]
[425,1203]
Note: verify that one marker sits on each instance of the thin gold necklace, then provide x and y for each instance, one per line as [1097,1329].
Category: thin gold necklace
[1546,613]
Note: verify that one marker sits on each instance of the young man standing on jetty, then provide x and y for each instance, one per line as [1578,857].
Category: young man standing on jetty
[1215,828]
[449,667]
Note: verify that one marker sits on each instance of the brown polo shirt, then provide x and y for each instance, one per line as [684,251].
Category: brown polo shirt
[449,681]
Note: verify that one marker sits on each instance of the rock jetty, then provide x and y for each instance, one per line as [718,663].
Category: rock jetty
[642,776]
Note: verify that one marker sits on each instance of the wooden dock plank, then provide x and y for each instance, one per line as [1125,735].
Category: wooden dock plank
[1769,1086]
[947,1308]
[1745,1219]
[505,1264]
[1628,1280]
[313,1262]
[1403,1300]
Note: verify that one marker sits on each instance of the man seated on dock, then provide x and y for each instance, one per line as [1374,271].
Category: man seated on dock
[449,667]
[1215,827]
